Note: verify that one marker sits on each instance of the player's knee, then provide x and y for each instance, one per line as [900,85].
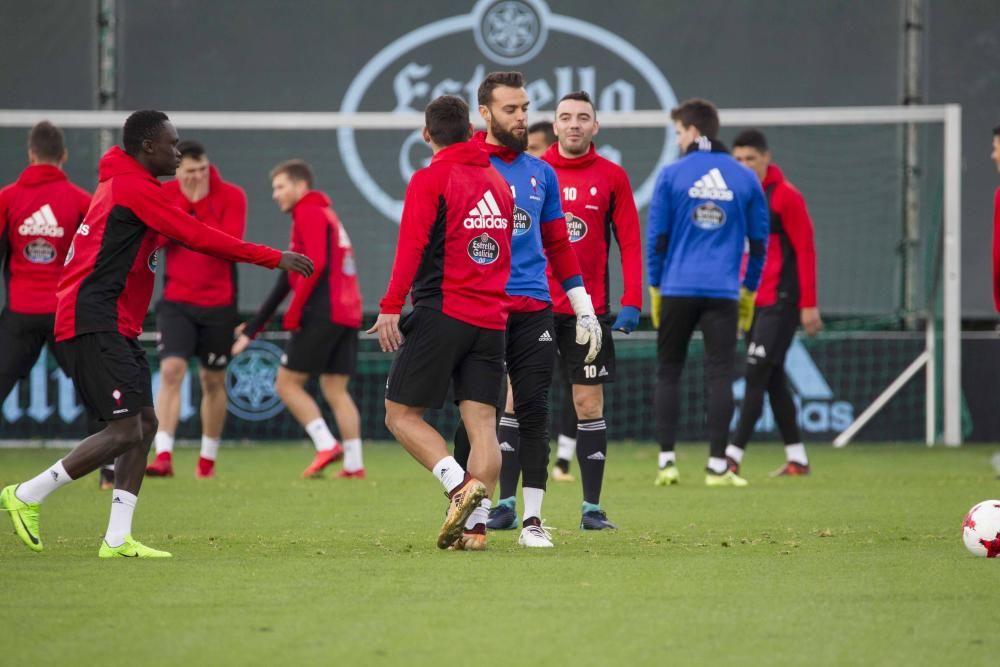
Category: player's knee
[213,382]
[589,406]
[124,434]
[172,370]
[395,418]
[669,370]
[758,374]
[532,420]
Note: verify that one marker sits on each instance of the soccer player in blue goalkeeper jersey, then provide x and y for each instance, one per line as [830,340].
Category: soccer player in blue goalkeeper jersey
[705,208]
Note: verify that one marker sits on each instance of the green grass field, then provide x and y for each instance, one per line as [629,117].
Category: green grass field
[860,564]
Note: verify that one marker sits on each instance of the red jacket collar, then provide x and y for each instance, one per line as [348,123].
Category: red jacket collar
[773,176]
[557,159]
[117,162]
[312,198]
[37,174]
[502,152]
[465,152]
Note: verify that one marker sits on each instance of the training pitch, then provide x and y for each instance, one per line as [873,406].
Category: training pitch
[862,563]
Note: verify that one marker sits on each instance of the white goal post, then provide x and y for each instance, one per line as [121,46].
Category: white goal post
[949,116]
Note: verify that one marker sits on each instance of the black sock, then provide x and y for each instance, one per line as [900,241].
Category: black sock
[591,452]
[510,465]
[462,445]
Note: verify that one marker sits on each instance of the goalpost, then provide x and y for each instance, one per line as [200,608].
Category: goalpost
[948,288]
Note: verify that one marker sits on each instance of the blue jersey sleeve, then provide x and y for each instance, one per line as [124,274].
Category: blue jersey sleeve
[552,206]
[758,227]
[658,228]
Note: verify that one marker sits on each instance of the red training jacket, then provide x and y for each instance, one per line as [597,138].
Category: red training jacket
[332,290]
[108,279]
[598,202]
[193,277]
[454,239]
[39,214]
[790,268]
[996,250]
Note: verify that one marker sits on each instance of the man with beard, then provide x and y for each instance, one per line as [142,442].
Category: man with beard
[539,235]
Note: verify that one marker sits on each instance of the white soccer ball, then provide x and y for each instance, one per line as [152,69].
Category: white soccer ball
[981,529]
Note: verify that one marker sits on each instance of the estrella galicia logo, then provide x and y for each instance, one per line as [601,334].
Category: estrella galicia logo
[483,249]
[418,66]
[250,382]
[151,262]
[708,216]
[522,221]
[575,227]
[40,251]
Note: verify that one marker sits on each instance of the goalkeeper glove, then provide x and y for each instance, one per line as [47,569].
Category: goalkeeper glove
[588,329]
[627,320]
[746,304]
[654,307]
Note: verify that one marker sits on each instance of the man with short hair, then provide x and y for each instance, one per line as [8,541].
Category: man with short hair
[324,318]
[39,214]
[705,208]
[598,202]
[198,310]
[541,135]
[786,298]
[540,240]
[101,300]
[453,257]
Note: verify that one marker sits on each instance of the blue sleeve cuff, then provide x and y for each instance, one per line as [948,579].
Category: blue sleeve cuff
[572,281]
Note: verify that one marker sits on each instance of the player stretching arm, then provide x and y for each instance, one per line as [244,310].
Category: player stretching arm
[786,298]
[453,258]
[102,298]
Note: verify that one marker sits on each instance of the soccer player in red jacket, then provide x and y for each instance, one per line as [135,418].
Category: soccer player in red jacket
[101,300]
[786,298]
[453,257]
[324,316]
[598,202]
[198,310]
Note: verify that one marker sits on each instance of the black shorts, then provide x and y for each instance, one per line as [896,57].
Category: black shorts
[718,320]
[110,373]
[571,355]
[21,339]
[324,348]
[187,331]
[772,333]
[439,350]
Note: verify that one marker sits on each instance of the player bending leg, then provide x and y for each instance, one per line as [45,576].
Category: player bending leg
[198,310]
[539,240]
[705,207]
[324,318]
[598,201]
[453,257]
[102,298]
[787,297]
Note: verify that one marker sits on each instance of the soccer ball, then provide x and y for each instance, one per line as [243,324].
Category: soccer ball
[981,529]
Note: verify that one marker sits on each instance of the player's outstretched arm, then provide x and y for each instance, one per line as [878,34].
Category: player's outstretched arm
[249,330]
[296,263]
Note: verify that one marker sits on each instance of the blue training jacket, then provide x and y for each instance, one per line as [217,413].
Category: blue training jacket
[704,209]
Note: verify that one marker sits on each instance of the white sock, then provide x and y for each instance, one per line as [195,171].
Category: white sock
[796,453]
[210,447]
[37,489]
[120,523]
[666,458]
[532,502]
[480,514]
[567,448]
[352,455]
[735,453]
[164,442]
[717,465]
[448,472]
[321,436]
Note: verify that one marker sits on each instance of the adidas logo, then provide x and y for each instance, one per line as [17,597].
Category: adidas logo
[546,337]
[117,500]
[55,475]
[711,186]
[41,223]
[505,447]
[596,456]
[486,214]
[603,372]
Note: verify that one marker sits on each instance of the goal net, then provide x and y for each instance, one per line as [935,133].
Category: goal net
[882,185]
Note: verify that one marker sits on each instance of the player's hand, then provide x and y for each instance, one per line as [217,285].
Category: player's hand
[293,261]
[654,307]
[627,320]
[241,343]
[746,305]
[588,332]
[387,328]
[811,322]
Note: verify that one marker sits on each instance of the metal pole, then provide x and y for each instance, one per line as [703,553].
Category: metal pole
[952,371]
[913,28]
[930,409]
[107,78]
